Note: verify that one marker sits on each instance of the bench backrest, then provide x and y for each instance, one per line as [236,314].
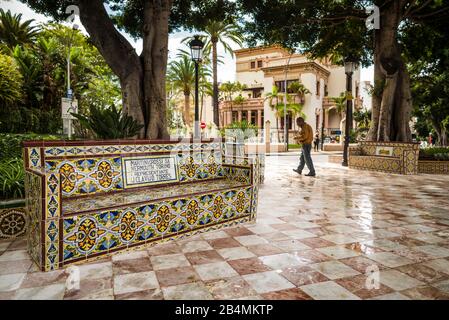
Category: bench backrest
[95,167]
[387,149]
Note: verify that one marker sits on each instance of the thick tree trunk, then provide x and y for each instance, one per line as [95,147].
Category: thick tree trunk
[393,104]
[215,84]
[142,78]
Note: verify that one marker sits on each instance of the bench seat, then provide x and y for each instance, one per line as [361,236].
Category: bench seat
[130,198]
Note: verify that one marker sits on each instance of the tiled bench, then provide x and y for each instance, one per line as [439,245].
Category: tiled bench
[90,199]
[392,157]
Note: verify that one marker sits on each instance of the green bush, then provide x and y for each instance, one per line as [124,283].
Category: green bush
[12,176]
[11,144]
[239,130]
[434,153]
[109,123]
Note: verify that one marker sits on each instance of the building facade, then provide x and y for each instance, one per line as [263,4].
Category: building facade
[262,68]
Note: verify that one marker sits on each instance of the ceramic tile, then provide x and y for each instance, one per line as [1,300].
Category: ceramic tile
[334,269]
[216,270]
[264,282]
[328,290]
[127,283]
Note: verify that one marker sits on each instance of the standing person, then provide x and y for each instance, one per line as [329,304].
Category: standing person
[305,138]
[316,142]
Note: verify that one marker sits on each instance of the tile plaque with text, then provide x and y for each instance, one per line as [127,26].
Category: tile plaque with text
[146,171]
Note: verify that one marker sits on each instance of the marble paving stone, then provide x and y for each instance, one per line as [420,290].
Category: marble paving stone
[235,253]
[264,249]
[51,292]
[427,237]
[389,259]
[203,257]
[363,286]
[247,266]
[14,255]
[4,245]
[189,291]
[95,270]
[290,245]
[362,264]
[132,266]
[238,232]
[15,266]
[18,244]
[195,246]
[288,294]
[43,279]
[441,265]
[384,244]
[334,269]
[230,288]
[130,255]
[11,282]
[421,272]
[298,234]
[214,235]
[328,290]
[338,238]
[176,276]
[126,283]
[90,289]
[216,270]
[261,229]
[224,243]
[164,249]
[250,240]
[169,261]
[434,251]
[338,252]
[281,261]
[303,275]
[425,293]
[264,282]
[391,296]
[316,243]
[398,280]
[150,294]
[442,285]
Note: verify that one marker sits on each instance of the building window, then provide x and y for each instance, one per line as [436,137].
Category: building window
[245,116]
[281,85]
[259,64]
[257,93]
[235,116]
[318,86]
[253,64]
[254,117]
[326,93]
[356,91]
[262,119]
[289,121]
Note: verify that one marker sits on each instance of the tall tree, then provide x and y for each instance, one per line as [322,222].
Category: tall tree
[14,31]
[142,77]
[323,27]
[219,32]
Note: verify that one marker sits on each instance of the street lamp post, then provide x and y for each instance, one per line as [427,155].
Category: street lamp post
[69,88]
[350,66]
[196,47]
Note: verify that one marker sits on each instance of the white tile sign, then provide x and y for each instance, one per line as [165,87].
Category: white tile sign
[384,151]
[144,171]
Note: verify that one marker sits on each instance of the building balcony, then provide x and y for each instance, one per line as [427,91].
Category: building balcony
[248,104]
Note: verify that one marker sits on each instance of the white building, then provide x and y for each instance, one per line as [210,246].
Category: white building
[262,68]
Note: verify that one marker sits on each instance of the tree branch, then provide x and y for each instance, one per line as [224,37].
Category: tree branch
[116,50]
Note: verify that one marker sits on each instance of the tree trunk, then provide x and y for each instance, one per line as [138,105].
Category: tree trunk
[215,80]
[392,103]
[142,79]
[187,117]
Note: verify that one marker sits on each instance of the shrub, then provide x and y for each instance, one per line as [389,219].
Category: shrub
[434,153]
[239,130]
[109,123]
[12,179]
[11,144]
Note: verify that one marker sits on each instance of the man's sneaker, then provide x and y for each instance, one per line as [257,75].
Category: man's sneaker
[297,171]
[310,175]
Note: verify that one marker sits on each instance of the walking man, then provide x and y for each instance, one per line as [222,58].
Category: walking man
[305,138]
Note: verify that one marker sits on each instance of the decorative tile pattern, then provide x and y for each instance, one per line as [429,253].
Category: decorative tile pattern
[13,223]
[433,167]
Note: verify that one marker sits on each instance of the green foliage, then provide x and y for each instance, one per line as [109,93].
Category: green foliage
[109,123]
[434,153]
[239,130]
[11,144]
[14,32]
[10,83]
[12,179]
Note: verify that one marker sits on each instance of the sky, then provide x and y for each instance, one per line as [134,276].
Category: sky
[226,71]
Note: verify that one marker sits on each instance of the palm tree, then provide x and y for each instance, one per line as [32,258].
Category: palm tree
[299,89]
[181,75]
[14,32]
[219,32]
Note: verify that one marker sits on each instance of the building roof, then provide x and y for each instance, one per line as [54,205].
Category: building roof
[262,49]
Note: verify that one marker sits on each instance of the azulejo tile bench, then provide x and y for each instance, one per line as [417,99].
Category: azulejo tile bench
[393,157]
[89,199]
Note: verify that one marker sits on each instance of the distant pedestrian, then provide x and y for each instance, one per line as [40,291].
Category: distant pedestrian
[316,142]
[305,138]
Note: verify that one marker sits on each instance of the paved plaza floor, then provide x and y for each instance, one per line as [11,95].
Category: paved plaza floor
[345,234]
